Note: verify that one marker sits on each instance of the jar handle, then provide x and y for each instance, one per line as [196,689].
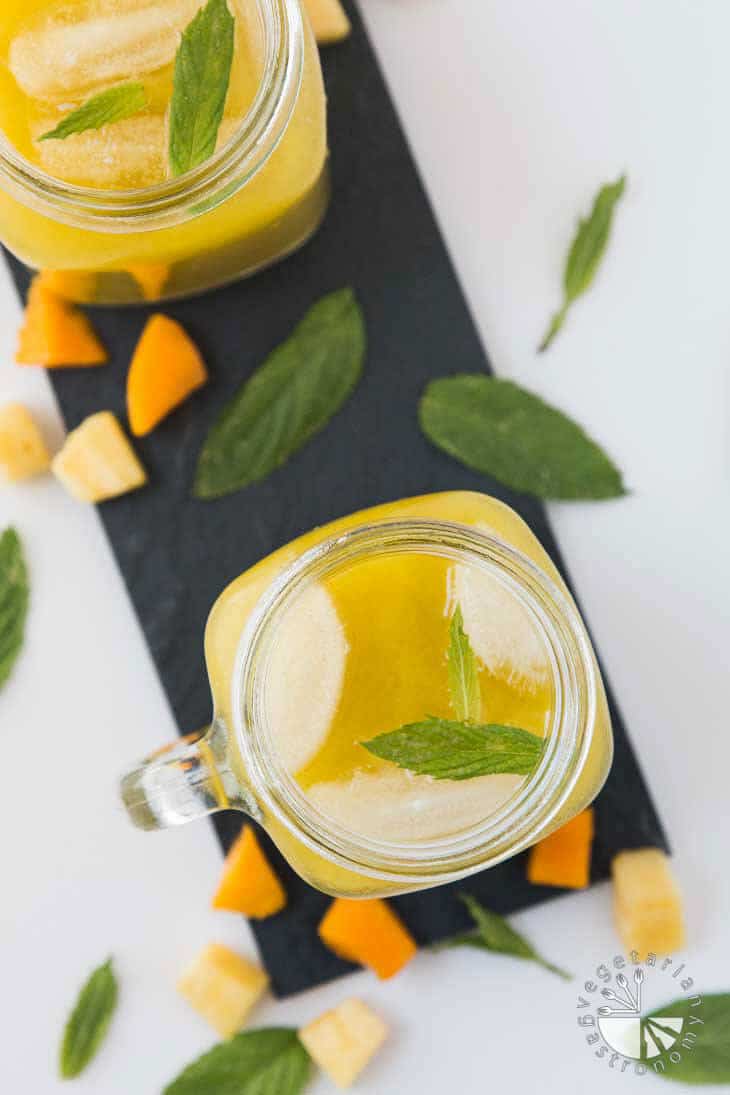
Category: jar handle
[183,781]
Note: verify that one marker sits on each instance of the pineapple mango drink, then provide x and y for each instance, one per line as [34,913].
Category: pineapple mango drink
[343,635]
[100,205]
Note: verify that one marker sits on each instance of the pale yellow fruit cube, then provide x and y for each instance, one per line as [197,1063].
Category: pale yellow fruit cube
[647,902]
[97,461]
[23,452]
[223,987]
[343,1040]
[329,21]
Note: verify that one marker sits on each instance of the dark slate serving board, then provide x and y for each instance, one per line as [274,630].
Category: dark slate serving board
[177,554]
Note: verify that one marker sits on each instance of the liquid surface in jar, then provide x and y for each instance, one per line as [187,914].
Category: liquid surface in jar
[365,652]
[54,56]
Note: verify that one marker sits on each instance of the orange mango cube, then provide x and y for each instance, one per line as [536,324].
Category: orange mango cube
[368,932]
[248,884]
[564,857]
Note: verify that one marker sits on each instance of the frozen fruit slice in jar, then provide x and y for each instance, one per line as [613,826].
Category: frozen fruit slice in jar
[417,808]
[501,631]
[71,52]
[129,153]
[306,673]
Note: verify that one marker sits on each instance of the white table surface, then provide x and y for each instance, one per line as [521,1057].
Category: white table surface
[516,113]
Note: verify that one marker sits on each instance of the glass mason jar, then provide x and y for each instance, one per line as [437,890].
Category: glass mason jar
[259,197]
[234,765]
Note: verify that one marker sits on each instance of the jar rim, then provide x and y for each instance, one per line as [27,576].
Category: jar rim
[528,812]
[201,189]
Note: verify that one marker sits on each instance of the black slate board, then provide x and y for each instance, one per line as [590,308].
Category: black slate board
[177,554]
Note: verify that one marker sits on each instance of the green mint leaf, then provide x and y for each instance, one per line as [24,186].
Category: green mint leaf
[89,1021]
[14,598]
[504,431]
[287,400]
[200,86]
[708,1059]
[109,106]
[466,697]
[458,750]
[586,253]
[257,1062]
[493,933]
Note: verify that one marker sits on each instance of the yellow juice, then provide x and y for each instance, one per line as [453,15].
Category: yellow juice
[56,55]
[363,652]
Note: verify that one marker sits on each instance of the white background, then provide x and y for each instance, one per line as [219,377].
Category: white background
[517,111]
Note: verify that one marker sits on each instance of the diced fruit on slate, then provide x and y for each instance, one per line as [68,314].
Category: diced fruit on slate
[248,884]
[97,461]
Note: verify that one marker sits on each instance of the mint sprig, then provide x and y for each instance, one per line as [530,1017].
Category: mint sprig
[464,749]
[506,432]
[14,599]
[257,1062]
[200,86]
[108,106]
[289,398]
[458,750]
[707,1060]
[88,1021]
[586,253]
[466,697]
[493,933]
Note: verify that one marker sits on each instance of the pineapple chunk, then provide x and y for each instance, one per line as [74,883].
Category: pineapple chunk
[223,987]
[647,902]
[23,452]
[329,21]
[343,1041]
[97,461]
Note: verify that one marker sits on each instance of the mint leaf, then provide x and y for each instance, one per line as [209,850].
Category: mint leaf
[586,253]
[493,933]
[257,1062]
[14,598]
[200,86]
[466,697]
[504,431]
[109,106]
[708,1059]
[287,400]
[89,1021]
[458,750]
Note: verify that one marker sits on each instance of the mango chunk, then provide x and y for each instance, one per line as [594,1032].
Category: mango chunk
[166,368]
[54,333]
[223,987]
[329,21]
[151,278]
[368,932]
[647,902]
[248,884]
[97,461]
[564,857]
[344,1040]
[23,451]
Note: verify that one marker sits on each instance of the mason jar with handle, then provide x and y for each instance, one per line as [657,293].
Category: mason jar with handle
[102,210]
[348,633]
